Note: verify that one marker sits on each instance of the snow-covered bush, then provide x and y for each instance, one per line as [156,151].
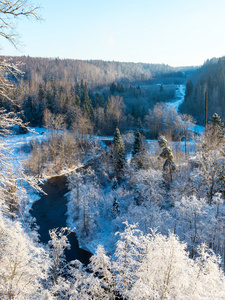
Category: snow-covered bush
[150,266]
[24,264]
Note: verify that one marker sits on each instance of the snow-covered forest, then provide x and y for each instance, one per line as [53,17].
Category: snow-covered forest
[150,212]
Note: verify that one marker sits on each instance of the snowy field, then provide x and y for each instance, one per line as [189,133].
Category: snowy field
[18,151]
[16,142]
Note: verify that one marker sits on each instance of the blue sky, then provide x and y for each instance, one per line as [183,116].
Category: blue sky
[178,33]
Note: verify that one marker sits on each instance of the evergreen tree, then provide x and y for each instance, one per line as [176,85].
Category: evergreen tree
[49,101]
[77,89]
[87,106]
[143,113]
[30,111]
[118,154]
[113,88]
[189,88]
[217,126]
[169,166]
[214,135]
[41,93]
[77,100]
[140,152]
[53,95]
[82,85]
[137,143]
[216,120]
[41,102]
[23,128]
[99,100]
[133,111]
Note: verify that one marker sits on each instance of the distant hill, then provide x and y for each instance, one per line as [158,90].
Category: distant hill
[211,78]
[94,72]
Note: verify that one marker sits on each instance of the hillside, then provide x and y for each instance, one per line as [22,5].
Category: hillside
[104,94]
[94,72]
[209,78]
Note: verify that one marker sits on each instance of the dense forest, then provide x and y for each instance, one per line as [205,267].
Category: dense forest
[94,72]
[100,94]
[209,78]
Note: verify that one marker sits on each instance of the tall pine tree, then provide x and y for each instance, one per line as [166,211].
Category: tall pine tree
[140,152]
[118,154]
[87,105]
[137,143]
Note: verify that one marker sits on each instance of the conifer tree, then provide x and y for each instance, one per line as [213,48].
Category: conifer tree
[217,127]
[87,106]
[118,154]
[82,85]
[143,113]
[99,100]
[214,135]
[216,120]
[77,100]
[41,93]
[137,143]
[23,128]
[169,166]
[189,88]
[133,111]
[77,89]
[140,154]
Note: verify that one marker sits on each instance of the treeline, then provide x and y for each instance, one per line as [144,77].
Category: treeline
[85,112]
[209,78]
[93,96]
[94,72]
[88,109]
[79,106]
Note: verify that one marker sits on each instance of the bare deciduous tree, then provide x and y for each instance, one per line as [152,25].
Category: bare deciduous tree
[10,12]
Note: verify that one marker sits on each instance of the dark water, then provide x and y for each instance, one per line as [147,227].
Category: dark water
[50,211]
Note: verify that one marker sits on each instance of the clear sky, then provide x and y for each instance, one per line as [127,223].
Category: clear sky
[174,32]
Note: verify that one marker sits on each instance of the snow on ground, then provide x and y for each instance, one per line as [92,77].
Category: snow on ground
[179,97]
[15,142]
[16,154]
[175,146]
[198,129]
